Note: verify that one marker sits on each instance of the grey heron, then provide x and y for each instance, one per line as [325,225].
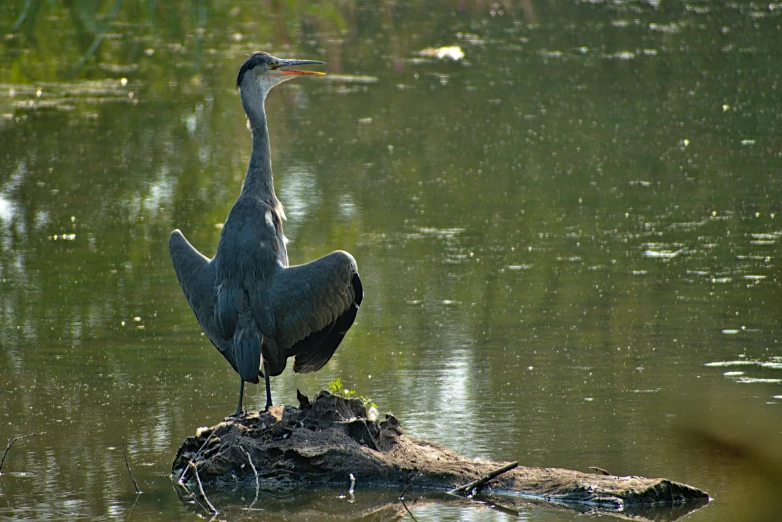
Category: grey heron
[255,309]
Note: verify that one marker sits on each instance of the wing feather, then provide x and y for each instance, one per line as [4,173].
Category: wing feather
[306,313]
[313,352]
[196,275]
[314,304]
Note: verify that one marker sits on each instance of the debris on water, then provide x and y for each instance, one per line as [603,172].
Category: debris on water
[621,55]
[671,28]
[350,78]
[453,52]
[720,364]
[663,254]
[548,53]
[441,232]
[758,380]
[63,237]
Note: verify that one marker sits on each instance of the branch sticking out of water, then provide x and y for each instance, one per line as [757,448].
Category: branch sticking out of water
[477,484]
[255,471]
[402,495]
[402,499]
[11,443]
[181,480]
[125,454]
[201,489]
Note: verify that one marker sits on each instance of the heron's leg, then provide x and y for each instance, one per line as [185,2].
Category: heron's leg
[268,385]
[239,411]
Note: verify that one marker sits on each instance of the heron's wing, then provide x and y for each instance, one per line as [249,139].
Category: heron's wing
[314,305]
[315,350]
[196,275]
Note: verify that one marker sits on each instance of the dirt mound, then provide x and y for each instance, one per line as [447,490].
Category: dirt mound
[331,439]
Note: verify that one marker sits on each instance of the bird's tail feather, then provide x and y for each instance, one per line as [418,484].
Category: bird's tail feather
[273,356]
[247,352]
[226,311]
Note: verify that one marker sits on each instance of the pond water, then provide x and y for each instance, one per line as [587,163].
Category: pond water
[569,238]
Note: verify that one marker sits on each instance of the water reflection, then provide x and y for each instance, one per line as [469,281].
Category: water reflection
[299,190]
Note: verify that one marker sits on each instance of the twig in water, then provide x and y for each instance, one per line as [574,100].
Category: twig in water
[11,443]
[599,471]
[125,454]
[132,507]
[477,484]
[257,482]
[201,488]
[420,470]
[408,509]
[195,456]
[402,495]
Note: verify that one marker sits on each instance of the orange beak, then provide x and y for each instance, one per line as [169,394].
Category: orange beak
[296,72]
[307,73]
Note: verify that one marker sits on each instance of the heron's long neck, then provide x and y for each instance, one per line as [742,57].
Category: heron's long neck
[259,181]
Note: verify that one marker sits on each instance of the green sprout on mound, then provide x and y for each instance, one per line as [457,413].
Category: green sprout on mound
[336,388]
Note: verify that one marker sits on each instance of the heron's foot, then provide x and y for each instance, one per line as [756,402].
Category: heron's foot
[266,408]
[238,414]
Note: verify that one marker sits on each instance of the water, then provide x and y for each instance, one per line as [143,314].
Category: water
[568,239]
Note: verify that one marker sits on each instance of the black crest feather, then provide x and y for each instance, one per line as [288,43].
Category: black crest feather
[257,58]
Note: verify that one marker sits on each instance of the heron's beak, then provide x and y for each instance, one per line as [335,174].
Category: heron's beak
[291,63]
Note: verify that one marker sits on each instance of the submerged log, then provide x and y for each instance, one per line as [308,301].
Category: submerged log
[330,439]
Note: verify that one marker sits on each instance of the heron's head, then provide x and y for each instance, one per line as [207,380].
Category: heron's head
[265,71]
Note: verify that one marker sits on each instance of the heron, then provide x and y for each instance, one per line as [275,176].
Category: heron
[256,309]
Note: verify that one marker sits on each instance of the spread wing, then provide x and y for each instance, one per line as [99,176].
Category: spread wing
[196,275]
[314,306]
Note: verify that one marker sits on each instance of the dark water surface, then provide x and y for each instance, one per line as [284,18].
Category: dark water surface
[569,239]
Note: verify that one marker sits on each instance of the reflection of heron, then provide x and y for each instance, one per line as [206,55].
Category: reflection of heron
[251,304]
